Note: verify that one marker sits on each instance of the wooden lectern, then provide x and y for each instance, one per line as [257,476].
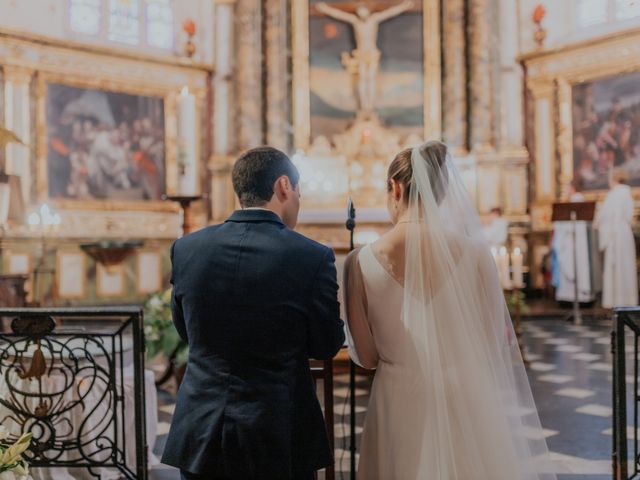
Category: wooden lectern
[585,211]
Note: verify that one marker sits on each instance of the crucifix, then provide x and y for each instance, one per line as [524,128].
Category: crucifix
[364,61]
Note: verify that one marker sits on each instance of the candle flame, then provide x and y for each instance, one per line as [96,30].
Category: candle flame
[516,251]
[503,250]
[185,91]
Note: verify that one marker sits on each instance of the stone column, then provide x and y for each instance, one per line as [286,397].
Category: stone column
[455,75]
[480,81]
[277,88]
[511,135]
[225,138]
[249,121]
[17,118]
[222,87]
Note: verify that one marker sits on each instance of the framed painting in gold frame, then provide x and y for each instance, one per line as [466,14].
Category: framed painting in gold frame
[71,274]
[564,84]
[149,272]
[324,98]
[104,144]
[18,263]
[110,282]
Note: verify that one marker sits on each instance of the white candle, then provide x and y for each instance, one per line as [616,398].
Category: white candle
[187,143]
[516,265]
[503,268]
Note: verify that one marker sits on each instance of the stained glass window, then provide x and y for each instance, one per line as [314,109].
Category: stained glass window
[124,21]
[159,24]
[85,16]
[627,9]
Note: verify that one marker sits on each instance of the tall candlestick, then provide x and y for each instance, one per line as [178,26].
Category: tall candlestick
[516,265]
[503,268]
[187,143]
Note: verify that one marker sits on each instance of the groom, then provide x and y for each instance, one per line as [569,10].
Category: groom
[254,300]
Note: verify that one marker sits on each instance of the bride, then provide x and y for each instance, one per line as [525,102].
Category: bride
[450,398]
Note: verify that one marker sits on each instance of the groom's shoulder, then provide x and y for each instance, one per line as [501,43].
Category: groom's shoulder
[303,243]
[197,236]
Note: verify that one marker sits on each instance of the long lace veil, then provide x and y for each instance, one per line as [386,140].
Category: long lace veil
[482,420]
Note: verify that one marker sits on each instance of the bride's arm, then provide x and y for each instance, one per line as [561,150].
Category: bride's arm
[362,347]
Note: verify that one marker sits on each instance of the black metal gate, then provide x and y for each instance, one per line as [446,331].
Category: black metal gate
[70,376]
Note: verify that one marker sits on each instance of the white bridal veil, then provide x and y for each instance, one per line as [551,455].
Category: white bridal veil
[482,422]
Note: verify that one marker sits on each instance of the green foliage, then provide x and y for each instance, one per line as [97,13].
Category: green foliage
[161,336]
[514,298]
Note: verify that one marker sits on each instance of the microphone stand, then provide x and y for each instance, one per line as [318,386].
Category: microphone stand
[351,226]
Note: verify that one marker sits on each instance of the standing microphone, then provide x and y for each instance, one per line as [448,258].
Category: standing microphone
[351,226]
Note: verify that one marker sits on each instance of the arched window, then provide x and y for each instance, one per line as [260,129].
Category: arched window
[159,24]
[123,21]
[85,16]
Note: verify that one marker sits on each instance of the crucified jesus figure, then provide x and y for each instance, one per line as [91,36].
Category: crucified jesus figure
[364,61]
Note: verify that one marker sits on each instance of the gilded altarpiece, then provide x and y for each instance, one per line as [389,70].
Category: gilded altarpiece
[366,83]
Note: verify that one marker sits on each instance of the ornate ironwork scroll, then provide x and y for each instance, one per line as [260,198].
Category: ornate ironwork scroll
[72,377]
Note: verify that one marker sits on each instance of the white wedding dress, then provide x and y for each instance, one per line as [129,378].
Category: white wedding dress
[450,398]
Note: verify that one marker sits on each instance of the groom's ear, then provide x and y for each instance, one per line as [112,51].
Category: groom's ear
[282,188]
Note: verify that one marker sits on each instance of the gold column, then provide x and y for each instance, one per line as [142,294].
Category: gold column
[223,200]
[249,73]
[277,102]
[480,81]
[17,118]
[544,151]
[223,131]
[565,133]
[455,75]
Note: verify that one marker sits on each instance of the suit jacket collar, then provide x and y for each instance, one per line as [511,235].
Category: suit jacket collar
[241,216]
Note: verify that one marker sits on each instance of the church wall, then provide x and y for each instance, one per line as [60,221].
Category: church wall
[33,56]
[561,23]
[50,18]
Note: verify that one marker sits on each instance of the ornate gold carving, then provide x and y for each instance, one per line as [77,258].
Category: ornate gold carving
[122,53]
[17,74]
[249,78]
[454,67]
[480,66]
[301,101]
[277,95]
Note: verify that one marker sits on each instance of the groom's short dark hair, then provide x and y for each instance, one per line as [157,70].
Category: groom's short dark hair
[255,172]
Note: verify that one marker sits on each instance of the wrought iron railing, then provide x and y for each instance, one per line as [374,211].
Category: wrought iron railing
[625,320]
[70,376]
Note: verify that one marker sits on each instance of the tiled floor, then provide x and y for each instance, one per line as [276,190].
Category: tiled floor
[570,374]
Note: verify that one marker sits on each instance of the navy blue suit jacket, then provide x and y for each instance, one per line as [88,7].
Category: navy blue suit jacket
[254,300]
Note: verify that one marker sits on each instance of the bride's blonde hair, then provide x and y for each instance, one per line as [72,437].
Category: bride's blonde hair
[434,153]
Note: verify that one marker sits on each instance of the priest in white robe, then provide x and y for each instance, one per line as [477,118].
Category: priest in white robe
[620,277]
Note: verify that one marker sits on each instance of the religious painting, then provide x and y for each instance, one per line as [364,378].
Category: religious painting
[104,145]
[606,130]
[366,60]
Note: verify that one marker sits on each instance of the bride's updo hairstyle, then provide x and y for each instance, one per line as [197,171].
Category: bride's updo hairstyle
[434,153]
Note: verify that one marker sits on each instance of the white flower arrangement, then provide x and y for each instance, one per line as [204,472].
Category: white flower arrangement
[12,465]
